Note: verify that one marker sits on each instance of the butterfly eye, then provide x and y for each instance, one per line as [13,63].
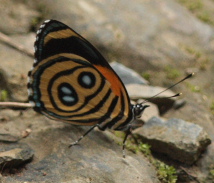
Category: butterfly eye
[86,80]
[138,109]
[67,94]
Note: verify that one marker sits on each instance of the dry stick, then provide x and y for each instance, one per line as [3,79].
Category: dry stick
[4,38]
[15,104]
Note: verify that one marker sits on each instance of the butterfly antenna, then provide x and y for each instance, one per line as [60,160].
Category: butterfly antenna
[178,94]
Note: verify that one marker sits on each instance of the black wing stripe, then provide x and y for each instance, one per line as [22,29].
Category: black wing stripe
[79,46]
[101,119]
[100,105]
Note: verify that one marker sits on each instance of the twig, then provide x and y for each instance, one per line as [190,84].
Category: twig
[4,38]
[16,104]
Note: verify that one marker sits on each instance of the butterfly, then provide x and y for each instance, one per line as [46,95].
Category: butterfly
[71,81]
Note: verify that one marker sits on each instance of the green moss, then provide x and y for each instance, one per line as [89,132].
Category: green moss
[192,5]
[199,9]
[205,17]
[166,173]
[212,107]
[210,176]
[145,149]
[146,76]
[172,73]
[119,134]
[192,51]
[35,21]
[202,61]
[3,95]
[193,88]
[212,173]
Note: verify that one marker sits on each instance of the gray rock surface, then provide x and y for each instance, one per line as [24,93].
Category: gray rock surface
[141,34]
[96,159]
[180,140]
[8,138]
[14,155]
[163,100]
[138,91]
[18,18]
[127,75]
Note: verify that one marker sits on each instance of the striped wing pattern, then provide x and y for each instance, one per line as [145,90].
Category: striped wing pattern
[70,81]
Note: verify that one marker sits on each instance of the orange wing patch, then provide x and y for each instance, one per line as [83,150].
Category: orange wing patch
[116,85]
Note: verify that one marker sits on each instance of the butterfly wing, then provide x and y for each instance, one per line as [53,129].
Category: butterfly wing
[72,82]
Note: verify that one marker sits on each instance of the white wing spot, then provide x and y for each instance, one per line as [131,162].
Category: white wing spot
[68,99]
[86,79]
[42,26]
[66,90]
[29,80]
[46,21]
[30,91]
[39,31]
[31,68]
[35,61]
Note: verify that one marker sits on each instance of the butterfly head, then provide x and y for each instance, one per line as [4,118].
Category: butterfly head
[138,110]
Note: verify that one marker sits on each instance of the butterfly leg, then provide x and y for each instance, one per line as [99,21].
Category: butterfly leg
[86,133]
[128,132]
[135,139]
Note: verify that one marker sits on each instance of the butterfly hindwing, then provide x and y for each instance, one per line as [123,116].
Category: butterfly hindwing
[72,82]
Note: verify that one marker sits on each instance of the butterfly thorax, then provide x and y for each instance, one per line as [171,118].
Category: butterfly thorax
[137,111]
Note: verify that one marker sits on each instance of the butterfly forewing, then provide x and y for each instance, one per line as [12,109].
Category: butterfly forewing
[72,82]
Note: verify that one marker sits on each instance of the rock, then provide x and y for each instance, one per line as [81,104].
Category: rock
[205,160]
[138,91]
[97,158]
[27,40]
[18,18]
[14,155]
[128,76]
[164,103]
[179,103]
[8,138]
[180,140]
[26,132]
[8,114]
[16,66]
[141,34]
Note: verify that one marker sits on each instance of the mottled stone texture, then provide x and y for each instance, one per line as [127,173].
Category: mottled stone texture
[180,140]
